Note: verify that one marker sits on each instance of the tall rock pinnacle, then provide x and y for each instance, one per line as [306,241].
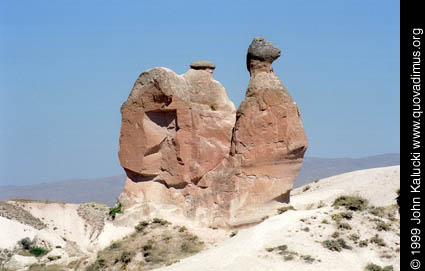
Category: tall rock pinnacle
[183,144]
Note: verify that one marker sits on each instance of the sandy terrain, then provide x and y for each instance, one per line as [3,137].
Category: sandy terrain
[247,250]
[302,230]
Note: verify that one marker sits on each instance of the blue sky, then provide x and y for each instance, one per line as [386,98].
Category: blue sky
[67,66]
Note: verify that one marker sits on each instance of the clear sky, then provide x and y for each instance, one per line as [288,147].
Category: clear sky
[67,66]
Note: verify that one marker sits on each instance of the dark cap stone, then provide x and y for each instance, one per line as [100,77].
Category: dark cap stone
[262,50]
[202,65]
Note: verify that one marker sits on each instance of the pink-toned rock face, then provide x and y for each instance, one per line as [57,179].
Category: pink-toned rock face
[183,143]
[175,128]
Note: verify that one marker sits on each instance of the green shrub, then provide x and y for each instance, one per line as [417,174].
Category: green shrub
[353,203]
[342,243]
[306,188]
[233,234]
[117,209]
[332,245]
[213,108]
[378,240]
[336,245]
[374,267]
[38,251]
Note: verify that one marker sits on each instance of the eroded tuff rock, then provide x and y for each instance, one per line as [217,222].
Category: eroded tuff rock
[183,144]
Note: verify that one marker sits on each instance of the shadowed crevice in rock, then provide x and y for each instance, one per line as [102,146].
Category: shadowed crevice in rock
[165,119]
[137,178]
[284,198]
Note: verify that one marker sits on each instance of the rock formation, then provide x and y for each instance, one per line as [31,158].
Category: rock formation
[183,144]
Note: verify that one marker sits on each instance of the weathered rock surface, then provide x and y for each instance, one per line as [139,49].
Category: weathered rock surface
[175,128]
[182,142]
[19,261]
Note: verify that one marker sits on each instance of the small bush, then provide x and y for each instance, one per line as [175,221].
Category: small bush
[189,247]
[182,229]
[160,221]
[378,240]
[38,251]
[117,209]
[26,243]
[308,258]
[374,267]
[382,226]
[281,210]
[148,245]
[332,245]
[289,257]
[344,226]
[353,203]
[114,246]
[335,234]
[363,243]
[336,245]
[126,257]
[213,108]
[377,211]
[354,237]
[281,248]
[336,217]
[342,243]
[233,234]
[325,221]
[141,226]
[346,215]
[306,188]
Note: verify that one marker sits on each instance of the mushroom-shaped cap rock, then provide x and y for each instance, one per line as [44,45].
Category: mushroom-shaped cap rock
[262,50]
[202,65]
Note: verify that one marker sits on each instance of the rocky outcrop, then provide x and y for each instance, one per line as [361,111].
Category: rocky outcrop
[175,128]
[183,144]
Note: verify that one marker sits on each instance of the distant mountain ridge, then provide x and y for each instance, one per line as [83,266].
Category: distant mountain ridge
[107,189]
[317,168]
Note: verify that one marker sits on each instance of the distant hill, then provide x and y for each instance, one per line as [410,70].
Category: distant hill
[317,168]
[107,189]
[104,190]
